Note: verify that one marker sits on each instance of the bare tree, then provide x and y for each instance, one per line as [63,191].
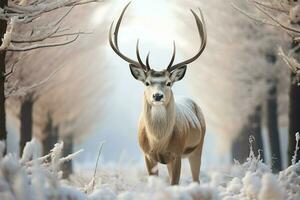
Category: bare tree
[26,120]
[3,25]
[67,167]
[272,117]
[251,128]
[286,16]
[14,14]
[232,86]
[26,92]
[50,134]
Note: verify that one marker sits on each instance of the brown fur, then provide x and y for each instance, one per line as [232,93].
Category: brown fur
[169,149]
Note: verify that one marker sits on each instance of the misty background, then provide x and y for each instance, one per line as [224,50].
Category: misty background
[94,98]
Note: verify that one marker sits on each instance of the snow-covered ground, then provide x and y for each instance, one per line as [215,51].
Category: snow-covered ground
[35,177]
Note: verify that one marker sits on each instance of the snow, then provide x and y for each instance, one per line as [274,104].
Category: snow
[270,188]
[6,41]
[31,151]
[297,148]
[38,178]
[294,14]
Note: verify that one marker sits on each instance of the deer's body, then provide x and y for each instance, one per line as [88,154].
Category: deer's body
[169,133]
[177,128]
[168,129]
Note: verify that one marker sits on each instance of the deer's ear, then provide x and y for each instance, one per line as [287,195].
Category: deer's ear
[137,72]
[178,73]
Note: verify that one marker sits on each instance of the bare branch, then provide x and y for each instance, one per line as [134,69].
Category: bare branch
[70,157]
[276,21]
[39,46]
[64,16]
[297,39]
[23,90]
[55,28]
[8,74]
[269,6]
[71,34]
[36,2]
[52,34]
[292,63]
[262,21]
[37,39]
[6,41]
[28,13]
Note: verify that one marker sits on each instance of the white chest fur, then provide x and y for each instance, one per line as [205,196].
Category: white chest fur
[160,122]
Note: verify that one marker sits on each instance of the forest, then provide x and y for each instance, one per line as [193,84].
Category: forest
[72,113]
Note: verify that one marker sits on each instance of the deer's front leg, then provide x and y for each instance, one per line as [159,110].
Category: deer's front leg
[174,169]
[151,166]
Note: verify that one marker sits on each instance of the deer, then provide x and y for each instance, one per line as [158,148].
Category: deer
[169,130]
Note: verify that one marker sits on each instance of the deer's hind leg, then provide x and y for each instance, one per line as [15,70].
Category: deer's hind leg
[195,161]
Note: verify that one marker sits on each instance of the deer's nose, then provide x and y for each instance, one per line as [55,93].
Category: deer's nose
[157,96]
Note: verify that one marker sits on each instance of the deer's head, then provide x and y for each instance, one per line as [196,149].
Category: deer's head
[158,83]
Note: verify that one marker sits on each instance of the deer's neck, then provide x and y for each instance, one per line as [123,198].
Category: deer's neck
[160,119]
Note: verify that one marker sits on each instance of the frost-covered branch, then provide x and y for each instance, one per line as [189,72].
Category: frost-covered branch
[70,157]
[12,68]
[47,32]
[271,6]
[7,36]
[286,16]
[23,90]
[296,148]
[292,63]
[43,45]
[28,13]
[262,21]
[25,13]
[285,27]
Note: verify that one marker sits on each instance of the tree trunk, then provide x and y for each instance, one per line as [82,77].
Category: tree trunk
[51,136]
[240,147]
[257,131]
[67,150]
[26,121]
[272,125]
[294,117]
[3,25]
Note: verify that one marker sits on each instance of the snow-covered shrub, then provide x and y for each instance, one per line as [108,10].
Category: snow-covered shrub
[35,177]
[290,181]
[271,189]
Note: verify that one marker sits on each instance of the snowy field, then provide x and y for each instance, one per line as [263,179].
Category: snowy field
[35,177]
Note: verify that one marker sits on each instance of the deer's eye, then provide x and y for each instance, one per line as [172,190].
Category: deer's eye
[169,83]
[147,83]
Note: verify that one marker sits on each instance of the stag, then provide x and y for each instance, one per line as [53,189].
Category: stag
[168,130]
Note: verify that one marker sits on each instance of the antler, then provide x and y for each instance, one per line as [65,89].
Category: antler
[203,36]
[113,41]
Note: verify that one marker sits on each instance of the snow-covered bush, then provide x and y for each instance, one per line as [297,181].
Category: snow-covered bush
[35,177]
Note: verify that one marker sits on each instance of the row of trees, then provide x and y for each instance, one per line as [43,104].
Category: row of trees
[25,27]
[285,17]
[243,89]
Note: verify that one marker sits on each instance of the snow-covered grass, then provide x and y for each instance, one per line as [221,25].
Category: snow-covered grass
[35,177]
